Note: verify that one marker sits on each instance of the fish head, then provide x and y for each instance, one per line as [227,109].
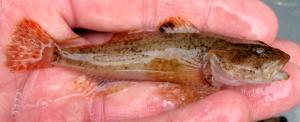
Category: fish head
[248,63]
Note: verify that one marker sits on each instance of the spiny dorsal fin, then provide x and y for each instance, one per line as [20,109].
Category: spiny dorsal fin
[177,25]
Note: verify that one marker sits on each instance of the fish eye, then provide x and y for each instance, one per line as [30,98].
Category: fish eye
[258,50]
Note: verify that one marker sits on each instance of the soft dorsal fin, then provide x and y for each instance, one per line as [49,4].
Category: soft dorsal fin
[130,36]
[177,25]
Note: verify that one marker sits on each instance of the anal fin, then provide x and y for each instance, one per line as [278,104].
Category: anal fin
[90,85]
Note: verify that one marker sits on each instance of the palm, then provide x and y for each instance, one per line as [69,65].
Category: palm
[52,94]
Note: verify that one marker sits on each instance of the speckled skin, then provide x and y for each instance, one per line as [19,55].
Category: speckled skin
[173,57]
[143,56]
[177,53]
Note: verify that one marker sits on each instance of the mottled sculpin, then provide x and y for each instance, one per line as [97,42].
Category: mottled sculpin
[177,52]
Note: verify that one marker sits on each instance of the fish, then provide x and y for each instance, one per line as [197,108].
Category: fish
[175,52]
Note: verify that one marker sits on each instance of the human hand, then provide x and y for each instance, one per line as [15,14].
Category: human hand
[48,95]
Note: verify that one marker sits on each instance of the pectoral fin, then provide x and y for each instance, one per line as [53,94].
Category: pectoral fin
[177,25]
[281,75]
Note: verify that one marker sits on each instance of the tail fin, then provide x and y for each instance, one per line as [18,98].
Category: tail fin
[31,47]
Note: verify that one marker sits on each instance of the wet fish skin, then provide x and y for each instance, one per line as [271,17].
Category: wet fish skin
[185,58]
[179,53]
[145,56]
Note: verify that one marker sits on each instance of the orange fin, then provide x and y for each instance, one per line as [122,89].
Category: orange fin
[30,47]
[177,25]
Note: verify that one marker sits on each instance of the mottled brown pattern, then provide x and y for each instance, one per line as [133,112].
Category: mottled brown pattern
[172,57]
[258,58]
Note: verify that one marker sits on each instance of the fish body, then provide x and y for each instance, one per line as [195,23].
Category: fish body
[176,53]
[172,57]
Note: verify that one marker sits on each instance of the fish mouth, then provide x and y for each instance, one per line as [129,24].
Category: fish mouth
[273,71]
[219,76]
[281,75]
[222,76]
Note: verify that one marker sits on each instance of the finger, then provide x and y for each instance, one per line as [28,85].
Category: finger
[227,17]
[7,99]
[224,106]
[45,13]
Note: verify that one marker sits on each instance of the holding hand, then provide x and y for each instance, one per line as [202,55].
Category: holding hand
[49,95]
